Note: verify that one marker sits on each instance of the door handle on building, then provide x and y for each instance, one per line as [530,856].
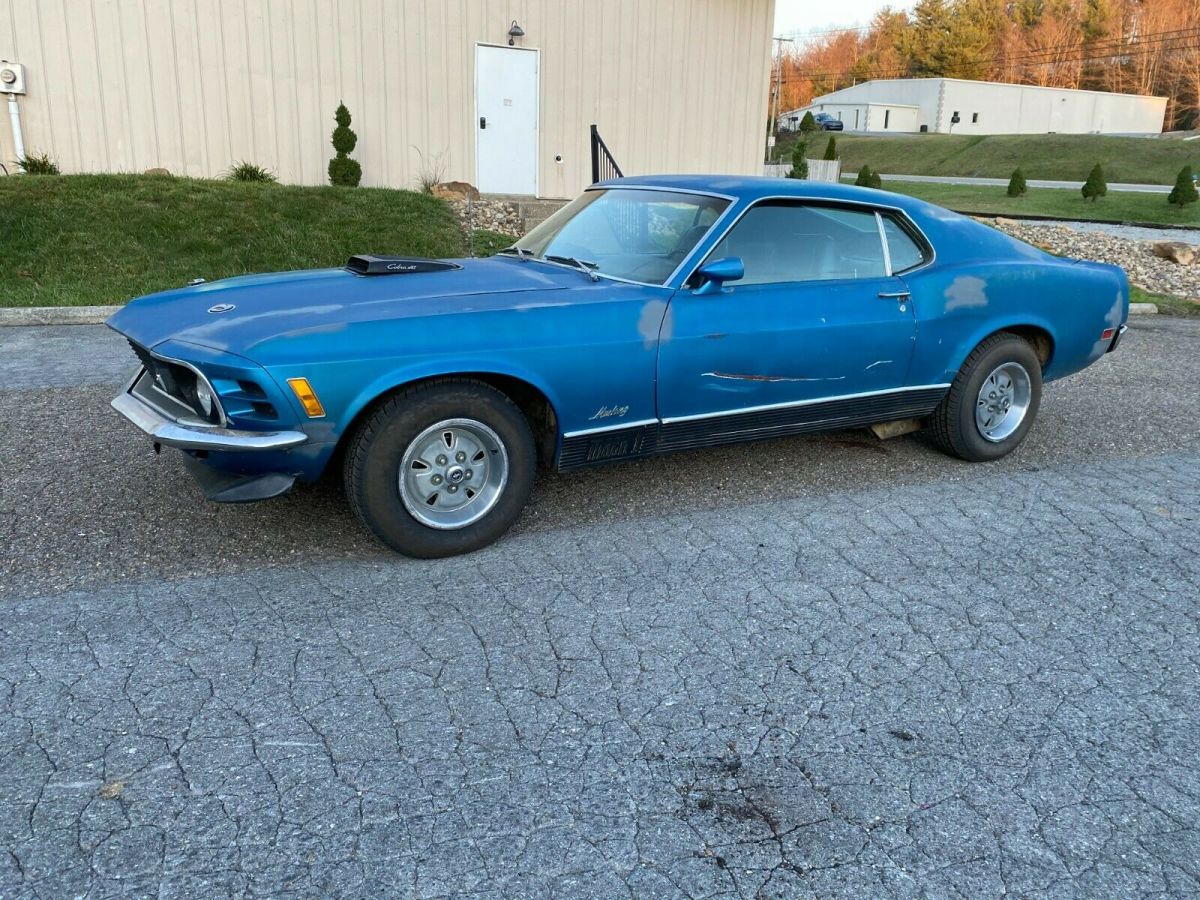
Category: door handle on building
[483,121]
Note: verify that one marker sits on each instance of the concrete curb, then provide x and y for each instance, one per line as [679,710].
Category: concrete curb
[55,315]
[1143,309]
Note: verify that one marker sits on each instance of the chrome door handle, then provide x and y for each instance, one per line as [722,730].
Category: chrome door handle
[895,295]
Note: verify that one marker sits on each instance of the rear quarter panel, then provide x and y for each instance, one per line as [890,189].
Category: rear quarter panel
[982,281]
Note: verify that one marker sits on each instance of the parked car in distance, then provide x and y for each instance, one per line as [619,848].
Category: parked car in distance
[828,122]
[649,315]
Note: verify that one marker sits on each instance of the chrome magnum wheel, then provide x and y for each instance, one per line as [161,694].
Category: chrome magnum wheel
[993,401]
[453,473]
[1003,402]
[441,468]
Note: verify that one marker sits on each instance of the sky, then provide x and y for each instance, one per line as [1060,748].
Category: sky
[805,16]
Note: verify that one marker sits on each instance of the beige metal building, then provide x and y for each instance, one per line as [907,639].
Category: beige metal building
[196,85]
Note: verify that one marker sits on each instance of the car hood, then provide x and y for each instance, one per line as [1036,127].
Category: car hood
[237,314]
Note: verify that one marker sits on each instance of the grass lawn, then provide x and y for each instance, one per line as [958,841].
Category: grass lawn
[1168,305]
[1054,157]
[1052,203]
[77,240]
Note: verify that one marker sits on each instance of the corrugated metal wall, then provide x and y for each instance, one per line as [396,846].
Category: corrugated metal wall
[195,85]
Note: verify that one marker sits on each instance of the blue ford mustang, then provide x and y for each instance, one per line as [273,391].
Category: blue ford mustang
[649,315]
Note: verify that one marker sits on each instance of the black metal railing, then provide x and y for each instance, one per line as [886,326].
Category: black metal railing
[604,166]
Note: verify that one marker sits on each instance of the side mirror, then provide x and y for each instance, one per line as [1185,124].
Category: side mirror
[713,275]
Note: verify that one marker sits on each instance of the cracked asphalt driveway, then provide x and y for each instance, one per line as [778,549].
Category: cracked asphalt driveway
[804,668]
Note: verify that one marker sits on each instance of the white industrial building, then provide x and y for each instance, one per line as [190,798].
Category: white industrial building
[956,106]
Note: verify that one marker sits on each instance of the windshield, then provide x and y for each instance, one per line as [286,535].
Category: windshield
[633,234]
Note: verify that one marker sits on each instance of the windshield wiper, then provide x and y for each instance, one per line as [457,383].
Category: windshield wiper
[521,252]
[585,266]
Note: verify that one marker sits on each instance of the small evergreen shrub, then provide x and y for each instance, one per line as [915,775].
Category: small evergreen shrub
[808,125]
[799,161]
[831,148]
[343,170]
[248,171]
[1016,184]
[1095,187]
[35,164]
[1184,191]
[864,177]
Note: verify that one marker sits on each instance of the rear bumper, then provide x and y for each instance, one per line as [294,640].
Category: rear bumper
[1117,338]
[196,436]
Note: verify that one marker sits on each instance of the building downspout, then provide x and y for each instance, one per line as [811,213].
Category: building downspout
[14,116]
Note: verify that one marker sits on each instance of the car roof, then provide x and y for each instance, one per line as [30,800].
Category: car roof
[752,187]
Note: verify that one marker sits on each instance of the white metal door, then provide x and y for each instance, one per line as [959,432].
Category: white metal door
[506,127]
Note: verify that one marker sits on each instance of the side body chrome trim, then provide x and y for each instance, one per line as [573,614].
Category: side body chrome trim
[653,437]
[616,426]
[801,403]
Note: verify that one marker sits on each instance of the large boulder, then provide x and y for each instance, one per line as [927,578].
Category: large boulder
[1176,251]
[455,190]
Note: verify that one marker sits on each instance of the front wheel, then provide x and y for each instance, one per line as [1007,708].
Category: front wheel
[993,401]
[441,468]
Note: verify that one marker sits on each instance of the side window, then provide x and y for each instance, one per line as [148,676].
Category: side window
[904,251]
[781,242]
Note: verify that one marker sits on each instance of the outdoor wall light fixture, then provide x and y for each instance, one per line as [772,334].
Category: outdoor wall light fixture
[515,32]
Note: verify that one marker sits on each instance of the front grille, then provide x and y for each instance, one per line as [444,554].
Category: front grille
[175,382]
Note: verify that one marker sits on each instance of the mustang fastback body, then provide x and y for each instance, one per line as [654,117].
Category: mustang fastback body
[651,314]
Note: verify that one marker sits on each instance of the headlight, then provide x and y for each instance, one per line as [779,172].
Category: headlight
[204,397]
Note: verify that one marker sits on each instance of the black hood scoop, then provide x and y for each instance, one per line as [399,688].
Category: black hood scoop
[397,265]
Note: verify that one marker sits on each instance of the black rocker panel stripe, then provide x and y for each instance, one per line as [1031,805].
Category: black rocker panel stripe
[585,450]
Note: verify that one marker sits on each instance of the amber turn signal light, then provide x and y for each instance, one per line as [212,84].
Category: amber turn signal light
[307,397]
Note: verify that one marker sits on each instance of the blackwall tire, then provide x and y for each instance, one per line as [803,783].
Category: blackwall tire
[441,468]
[993,401]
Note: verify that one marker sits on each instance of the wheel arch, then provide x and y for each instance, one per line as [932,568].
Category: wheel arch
[1037,334]
[533,399]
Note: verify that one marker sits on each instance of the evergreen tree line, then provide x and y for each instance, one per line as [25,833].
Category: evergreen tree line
[1128,46]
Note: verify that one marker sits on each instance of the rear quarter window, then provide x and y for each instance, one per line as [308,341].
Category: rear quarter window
[905,250]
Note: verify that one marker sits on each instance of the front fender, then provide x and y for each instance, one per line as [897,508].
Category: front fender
[348,396]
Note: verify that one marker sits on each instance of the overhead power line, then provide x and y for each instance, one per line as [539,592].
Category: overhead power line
[1055,55]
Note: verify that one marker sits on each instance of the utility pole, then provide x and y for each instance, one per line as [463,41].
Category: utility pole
[776,92]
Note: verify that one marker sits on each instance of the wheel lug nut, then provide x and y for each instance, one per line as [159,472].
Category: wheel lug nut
[436,479]
[460,456]
[441,460]
[453,488]
[469,473]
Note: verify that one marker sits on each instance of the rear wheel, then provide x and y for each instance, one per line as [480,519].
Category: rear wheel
[993,401]
[441,468]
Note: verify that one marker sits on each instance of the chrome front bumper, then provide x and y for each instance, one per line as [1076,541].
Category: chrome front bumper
[172,433]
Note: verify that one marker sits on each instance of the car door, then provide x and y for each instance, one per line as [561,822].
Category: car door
[817,331]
